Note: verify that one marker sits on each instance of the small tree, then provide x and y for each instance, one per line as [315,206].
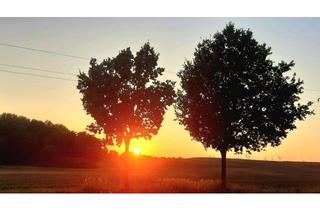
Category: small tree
[234,97]
[125,97]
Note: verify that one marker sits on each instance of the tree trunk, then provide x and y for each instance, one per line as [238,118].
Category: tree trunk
[126,170]
[127,145]
[223,169]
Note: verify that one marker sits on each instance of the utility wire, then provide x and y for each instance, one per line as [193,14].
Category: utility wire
[57,72]
[60,78]
[45,70]
[55,53]
[66,55]
[44,51]
[37,69]
[36,75]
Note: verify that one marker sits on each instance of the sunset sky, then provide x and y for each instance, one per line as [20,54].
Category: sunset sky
[175,39]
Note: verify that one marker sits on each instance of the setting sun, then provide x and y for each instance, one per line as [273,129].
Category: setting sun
[136,151]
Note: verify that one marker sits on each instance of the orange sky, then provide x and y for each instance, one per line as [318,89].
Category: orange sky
[175,40]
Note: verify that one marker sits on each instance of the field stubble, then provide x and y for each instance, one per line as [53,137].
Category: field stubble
[165,175]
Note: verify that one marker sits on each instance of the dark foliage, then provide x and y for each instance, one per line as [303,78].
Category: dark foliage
[25,141]
[234,97]
[125,97]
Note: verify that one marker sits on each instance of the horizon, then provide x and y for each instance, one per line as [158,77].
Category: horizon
[50,99]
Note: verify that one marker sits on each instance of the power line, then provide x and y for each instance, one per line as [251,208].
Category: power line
[55,53]
[66,55]
[47,70]
[37,69]
[44,51]
[60,78]
[57,72]
[36,75]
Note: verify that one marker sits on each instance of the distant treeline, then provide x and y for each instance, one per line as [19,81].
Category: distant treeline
[24,141]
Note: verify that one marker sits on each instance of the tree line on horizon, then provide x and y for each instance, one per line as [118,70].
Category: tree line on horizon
[33,142]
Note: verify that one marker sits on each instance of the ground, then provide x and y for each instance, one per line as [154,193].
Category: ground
[165,175]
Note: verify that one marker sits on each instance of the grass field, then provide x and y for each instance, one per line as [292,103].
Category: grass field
[166,175]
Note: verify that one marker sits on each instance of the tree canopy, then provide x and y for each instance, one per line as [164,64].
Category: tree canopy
[124,96]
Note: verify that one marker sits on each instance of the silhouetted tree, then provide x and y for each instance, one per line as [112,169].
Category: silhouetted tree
[234,97]
[125,97]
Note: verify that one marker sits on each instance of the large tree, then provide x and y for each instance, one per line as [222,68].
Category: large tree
[125,97]
[234,97]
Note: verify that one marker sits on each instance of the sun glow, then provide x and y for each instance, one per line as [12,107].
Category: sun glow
[136,151]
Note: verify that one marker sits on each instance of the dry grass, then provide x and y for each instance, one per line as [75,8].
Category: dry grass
[165,185]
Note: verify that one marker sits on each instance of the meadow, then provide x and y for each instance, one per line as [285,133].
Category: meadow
[165,175]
